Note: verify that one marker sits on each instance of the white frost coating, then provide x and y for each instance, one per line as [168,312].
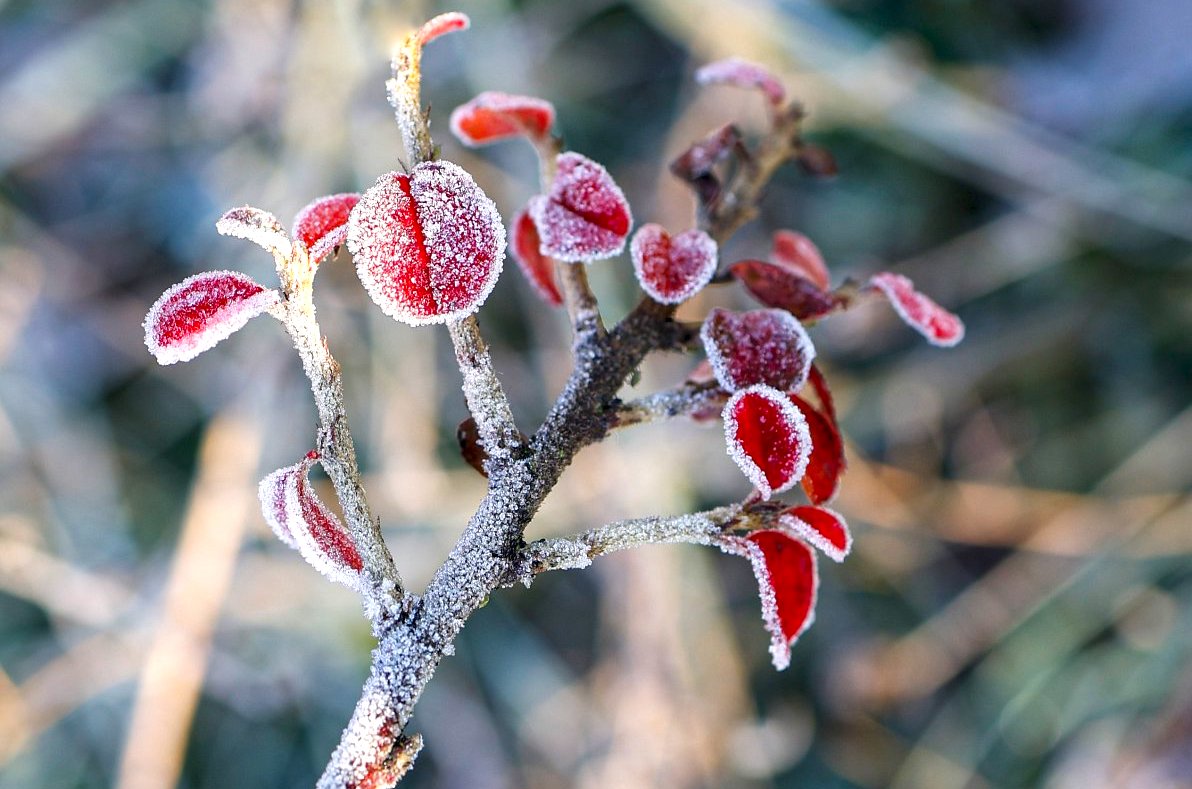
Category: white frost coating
[743,74]
[794,420]
[260,227]
[809,533]
[272,494]
[780,645]
[566,235]
[694,251]
[791,332]
[221,324]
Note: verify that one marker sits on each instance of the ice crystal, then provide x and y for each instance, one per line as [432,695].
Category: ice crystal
[767,437]
[672,269]
[428,246]
[775,285]
[757,347]
[585,216]
[493,116]
[743,74]
[257,226]
[940,327]
[323,224]
[798,253]
[201,310]
[824,528]
[826,465]
[538,268]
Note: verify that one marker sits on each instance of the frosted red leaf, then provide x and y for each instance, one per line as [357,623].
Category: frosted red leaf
[538,268]
[493,116]
[827,464]
[260,227]
[824,528]
[757,347]
[940,327]
[798,253]
[743,74]
[767,437]
[323,224]
[441,25]
[778,286]
[428,246]
[585,216]
[787,583]
[201,310]
[820,386]
[302,521]
[672,269]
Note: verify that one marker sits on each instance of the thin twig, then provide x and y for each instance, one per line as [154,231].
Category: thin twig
[688,399]
[486,398]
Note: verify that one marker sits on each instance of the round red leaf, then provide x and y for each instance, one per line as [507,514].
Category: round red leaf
[758,347]
[767,437]
[672,269]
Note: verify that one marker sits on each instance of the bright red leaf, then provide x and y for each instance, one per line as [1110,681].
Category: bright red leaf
[428,246]
[757,347]
[820,526]
[939,326]
[538,268]
[826,466]
[743,74]
[777,286]
[672,269]
[798,253]
[199,311]
[767,437]
[585,216]
[323,224]
[493,116]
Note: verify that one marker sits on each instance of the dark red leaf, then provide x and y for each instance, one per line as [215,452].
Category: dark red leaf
[777,286]
[699,160]
[817,161]
[672,269]
[767,437]
[820,526]
[757,347]
[198,312]
[585,216]
[826,466]
[796,252]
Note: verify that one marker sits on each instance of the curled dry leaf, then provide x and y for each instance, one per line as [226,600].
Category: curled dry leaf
[826,465]
[492,116]
[199,311]
[767,437]
[672,269]
[428,246]
[260,227]
[824,528]
[798,253]
[441,25]
[538,268]
[940,327]
[323,224]
[585,216]
[787,583]
[757,347]
[743,74]
[699,160]
[302,521]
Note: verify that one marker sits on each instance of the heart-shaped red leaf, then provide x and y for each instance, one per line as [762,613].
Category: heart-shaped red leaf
[260,227]
[493,116]
[826,466]
[757,347]
[539,269]
[199,311]
[743,74]
[778,286]
[796,252]
[767,437]
[939,326]
[323,224]
[428,246]
[302,521]
[824,528]
[672,269]
[787,583]
[585,216]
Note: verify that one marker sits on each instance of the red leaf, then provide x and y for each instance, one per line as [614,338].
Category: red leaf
[820,526]
[939,326]
[199,311]
[777,286]
[672,269]
[585,216]
[698,160]
[797,253]
[323,224]
[758,347]
[493,116]
[539,269]
[743,74]
[767,437]
[428,246]
[824,469]
[302,521]
[441,25]
[817,161]
[820,387]
[257,226]
[787,583]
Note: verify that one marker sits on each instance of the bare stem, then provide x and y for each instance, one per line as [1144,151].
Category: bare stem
[688,399]
[486,397]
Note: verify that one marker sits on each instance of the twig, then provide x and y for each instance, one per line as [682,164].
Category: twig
[485,396]
[687,399]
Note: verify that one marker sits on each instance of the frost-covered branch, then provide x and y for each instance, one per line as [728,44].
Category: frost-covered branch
[691,399]
[485,396]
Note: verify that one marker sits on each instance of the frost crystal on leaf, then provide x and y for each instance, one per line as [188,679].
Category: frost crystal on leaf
[758,347]
[826,466]
[323,224]
[940,327]
[441,25]
[257,226]
[585,216]
[743,74]
[302,521]
[824,528]
[672,269]
[493,116]
[201,310]
[767,438]
[798,253]
[428,246]
[787,583]
[539,269]
[777,286]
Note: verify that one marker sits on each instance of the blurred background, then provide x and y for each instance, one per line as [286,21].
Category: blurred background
[1016,610]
